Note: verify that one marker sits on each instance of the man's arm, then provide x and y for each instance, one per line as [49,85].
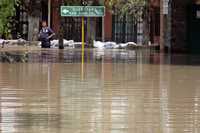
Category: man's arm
[51,33]
[39,35]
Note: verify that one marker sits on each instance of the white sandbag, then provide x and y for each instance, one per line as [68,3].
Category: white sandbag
[110,45]
[2,41]
[66,43]
[54,43]
[123,45]
[98,44]
[69,43]
[131,43]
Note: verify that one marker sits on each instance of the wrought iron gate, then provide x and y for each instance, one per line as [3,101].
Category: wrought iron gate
[72,28]
[124,29]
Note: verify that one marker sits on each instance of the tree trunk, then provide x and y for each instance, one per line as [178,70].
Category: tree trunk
[33,28]
[34,11]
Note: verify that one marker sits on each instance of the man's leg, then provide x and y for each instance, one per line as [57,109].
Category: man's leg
[48,44]
[43,44]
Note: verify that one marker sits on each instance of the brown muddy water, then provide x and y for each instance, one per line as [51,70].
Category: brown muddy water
[114,92]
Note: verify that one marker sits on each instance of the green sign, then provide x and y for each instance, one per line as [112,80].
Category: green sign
[82,11]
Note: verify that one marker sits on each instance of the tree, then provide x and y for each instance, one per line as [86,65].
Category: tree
[33,8]
[72,2]
[7,11]
[136,8]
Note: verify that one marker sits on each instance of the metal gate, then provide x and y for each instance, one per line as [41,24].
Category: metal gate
[72,28]
[124,29]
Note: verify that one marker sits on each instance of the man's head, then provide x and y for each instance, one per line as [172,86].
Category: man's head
[44,24]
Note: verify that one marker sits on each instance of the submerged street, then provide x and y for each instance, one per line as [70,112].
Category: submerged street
[114,91]
[99,66]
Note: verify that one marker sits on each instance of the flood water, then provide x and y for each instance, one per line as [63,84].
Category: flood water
[113,92]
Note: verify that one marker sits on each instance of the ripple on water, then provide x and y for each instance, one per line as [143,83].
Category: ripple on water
[106,97]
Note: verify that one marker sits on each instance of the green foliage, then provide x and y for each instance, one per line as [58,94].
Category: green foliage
[120,7]
[130,7]
[72,2]
[7,11]
[80,2]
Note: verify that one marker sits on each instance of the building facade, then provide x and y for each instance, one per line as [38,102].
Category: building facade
[185,26]
[172,24]
[109,28]
[175,25]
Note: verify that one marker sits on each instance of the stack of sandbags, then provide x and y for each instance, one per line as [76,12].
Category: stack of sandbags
[105,45]
[128,45]
[16,42]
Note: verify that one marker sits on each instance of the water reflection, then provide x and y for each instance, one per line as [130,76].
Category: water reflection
[118,97]
[144,56]
[72,56]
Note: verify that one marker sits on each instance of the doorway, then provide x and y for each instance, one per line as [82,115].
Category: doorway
[194,29]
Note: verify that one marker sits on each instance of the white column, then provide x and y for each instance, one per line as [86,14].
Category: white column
[49,12]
